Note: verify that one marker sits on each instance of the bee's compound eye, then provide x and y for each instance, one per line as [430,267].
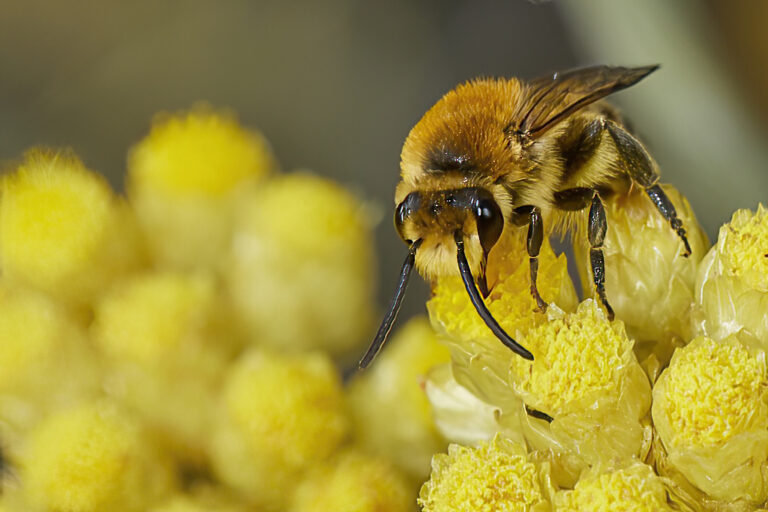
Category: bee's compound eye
[490,222]
[411,203]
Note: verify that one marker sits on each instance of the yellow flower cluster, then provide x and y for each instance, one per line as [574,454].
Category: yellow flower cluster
[184,349]
[177,350]
[601,409]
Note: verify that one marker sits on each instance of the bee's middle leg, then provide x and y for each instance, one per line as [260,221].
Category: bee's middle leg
[575,199]
[531,215]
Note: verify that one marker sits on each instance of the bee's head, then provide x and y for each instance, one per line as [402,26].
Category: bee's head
[435,217]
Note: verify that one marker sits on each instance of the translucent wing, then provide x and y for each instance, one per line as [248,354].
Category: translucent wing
[549,100]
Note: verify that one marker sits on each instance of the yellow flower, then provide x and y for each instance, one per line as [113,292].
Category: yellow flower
[302,266]
[202,499]
[635,488]
[91,458]
[480,360]
[279,416]
[58,223]
[353,483]
[164,356]
[710,408]
[185,180]
[732,284]
[649,282]
[394,383]
[494,476]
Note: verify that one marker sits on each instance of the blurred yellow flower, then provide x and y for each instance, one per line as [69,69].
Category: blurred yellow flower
[279,416]
[494,476]
[395,383]
[186,179]
[710,408]
[301,270]
[353,482]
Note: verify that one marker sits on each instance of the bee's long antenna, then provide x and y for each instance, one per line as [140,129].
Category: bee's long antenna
[394,307]
[477,301]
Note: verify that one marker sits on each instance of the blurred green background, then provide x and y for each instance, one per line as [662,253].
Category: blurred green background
[336,85]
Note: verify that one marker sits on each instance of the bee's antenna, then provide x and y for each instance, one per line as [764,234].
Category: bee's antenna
[394,307]
[477,301]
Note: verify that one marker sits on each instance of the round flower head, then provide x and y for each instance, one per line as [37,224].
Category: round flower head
[45,361]
[185,179]
[710,408]
[353,483]
[649,281]
[635,488]
[585,376]
[302,266]
[732,285]
[164,359]
[91,458]
[394,384]
[494,476]
[58,222]
[480,360]
[279,416]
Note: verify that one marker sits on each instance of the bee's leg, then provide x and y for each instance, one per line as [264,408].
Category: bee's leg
[531,215]
[642,169]
[596,233]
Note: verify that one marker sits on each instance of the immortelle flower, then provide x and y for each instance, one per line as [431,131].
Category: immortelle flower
[494,476]
[648,280]
[586,378]
[395,383]
[279,416]
[480,360]
[91,458]
[60,227]
[732,285]
[353,482]
[45,361]
[635,488]
[301,268]
[164,356]
[710,409]
[185,179]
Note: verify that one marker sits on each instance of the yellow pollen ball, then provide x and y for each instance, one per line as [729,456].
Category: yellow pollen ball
[200,153]
[575,356]
[712,392]
[745,251]
[495,476]
[354,483]
[635,489]
[54,215]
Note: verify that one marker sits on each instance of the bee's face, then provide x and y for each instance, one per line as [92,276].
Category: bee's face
[435,217]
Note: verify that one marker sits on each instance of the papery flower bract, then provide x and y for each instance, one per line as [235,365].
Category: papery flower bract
[648,280]
[390,413]
[635,488]
[185,180]
[91,458]
[164,355]
[353,482]
[494,476]
[732,284]
[58,223]
[585,376]
[480,360]
[302,266]
[710,408]
[279,416]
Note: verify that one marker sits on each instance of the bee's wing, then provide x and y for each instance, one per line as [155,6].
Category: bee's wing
[552,98]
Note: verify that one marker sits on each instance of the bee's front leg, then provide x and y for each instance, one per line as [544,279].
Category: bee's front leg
[531,215]
[596,232]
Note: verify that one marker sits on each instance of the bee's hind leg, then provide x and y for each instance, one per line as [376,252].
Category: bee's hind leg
[531,215]
[641,168]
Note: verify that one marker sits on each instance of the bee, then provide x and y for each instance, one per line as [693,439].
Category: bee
[494,153]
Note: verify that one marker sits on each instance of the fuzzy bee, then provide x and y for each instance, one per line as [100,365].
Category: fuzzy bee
[494,154]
